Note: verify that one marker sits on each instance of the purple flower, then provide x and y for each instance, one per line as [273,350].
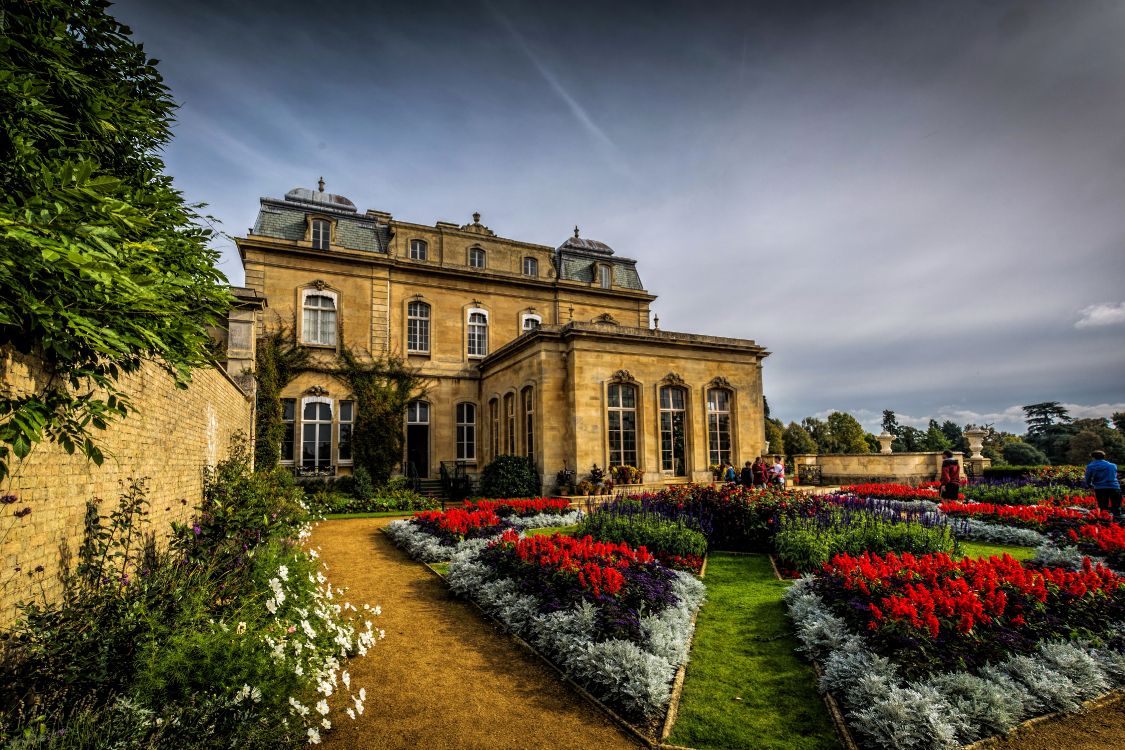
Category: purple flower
[22,513]
[8,499]
[196,530]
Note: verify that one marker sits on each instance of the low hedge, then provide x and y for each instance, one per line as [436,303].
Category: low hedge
[672,542]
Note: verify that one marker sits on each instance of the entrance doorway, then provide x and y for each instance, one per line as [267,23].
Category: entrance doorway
[418,438]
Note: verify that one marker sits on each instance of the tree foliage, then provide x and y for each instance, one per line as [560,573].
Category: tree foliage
[102,264]
[1024,454]
[846,434]
[775,434]
[890,422]
[798,440]
[934,439]
[509,476]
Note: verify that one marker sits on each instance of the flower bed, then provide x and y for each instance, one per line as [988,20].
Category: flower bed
[670,537]
[432,536]
[1043,518]
[612,617]
[892,491]
[928,652]
[1107,540]
[1028,492]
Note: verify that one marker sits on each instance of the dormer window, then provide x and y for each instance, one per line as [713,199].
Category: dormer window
[418,249]
[321,231]
[530,267]
[530,322]
[476,257]
[605,278]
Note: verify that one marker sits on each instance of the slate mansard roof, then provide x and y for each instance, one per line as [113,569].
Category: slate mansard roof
[576,259]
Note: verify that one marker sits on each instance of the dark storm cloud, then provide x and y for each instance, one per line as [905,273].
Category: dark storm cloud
[915,205]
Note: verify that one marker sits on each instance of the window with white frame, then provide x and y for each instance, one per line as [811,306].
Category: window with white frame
[605,277]
[476,257]
[530,267]
[418,249]
[477,333]
[528,396]
[718,426]
[418,412]
[417,327]
[289,423]
[321,231]
[319,318]
[529,322]
[510,424]
[672,433]
[622,423]
[344,432]
[466,432]
[316,433]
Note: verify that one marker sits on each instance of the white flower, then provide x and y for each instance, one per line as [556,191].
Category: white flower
[283,572]
[351,714]
[308,629]
[363,694]
[378,610]
[326,724]
[314,736]
[298,707]
[271,605]
[298,670]
[241,628]
[256,695]
[347,678]
[322,707]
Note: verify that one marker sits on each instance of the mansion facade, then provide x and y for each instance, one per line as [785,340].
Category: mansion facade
[526,349]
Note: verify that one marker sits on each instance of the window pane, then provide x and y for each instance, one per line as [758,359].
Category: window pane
[345,449]
[309,412]
[324,412]
[287,443]
[628,397]
[345,411]
[288,407]
[308,331]
[615,395]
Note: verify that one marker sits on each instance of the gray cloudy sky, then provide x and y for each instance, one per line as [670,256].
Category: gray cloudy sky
[914,205]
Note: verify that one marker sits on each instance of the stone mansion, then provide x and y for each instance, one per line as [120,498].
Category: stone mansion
[526,349]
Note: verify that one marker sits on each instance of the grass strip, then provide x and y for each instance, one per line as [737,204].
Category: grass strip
[746,686]
[980,549]
[548,530]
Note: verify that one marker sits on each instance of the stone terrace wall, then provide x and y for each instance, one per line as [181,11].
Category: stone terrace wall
[859,468]
[169,438]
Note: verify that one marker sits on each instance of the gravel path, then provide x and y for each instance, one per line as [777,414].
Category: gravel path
[444,677]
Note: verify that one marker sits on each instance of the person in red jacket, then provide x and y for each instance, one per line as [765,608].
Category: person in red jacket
[950,477]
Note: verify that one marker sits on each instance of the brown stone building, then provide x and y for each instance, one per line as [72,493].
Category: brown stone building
[531,350]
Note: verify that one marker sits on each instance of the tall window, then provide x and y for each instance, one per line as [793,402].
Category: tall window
[319,319]
[622,425]
[316,435]
[494,426]
[289,422]
[478,333]
[321,233]
[476,257]
[718,426]
[530,267]
[510,424]
[604,277]
[466,432]
[672,431]
[418,249]
[530,322]
[344,443]
[528,396]
[417,327]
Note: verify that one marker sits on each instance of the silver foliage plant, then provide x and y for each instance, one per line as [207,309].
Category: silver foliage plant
[428,548]
[976,530]
[636,677]
[950,709]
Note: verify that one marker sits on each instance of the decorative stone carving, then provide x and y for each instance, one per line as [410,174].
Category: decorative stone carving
[316,390]
[673,378]
[885,439]
[320,285]
[605,318]
[720,382]
[976,438]
[622,376]
[477,228]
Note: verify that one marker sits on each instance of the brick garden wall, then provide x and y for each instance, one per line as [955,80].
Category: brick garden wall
[169,438]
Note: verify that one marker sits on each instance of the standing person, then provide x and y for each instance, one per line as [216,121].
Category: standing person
[748,475]
[761,472]
[950,476]
[729,474]
[1102,476]
[777,472]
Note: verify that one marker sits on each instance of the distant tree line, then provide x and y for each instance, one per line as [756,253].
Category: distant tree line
[1052,437]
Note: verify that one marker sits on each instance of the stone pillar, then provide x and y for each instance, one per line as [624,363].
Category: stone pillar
[885,439]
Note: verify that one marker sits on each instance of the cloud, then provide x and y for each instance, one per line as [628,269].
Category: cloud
[1104,314]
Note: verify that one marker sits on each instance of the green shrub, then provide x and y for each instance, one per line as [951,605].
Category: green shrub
[509,476]
[808,543]
[662,537]
[362,488]
[396,494]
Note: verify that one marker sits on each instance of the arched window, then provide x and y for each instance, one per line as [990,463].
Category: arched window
[530,267]
[605,278]
[476,257]
[316,433]
[418,327]
[466,432]
[529,322]
[672,448]
[622,424]
[494,426]
[321,231]
[510,424]
[718,426]
[319,318]
[418,249]
[528,397]
[478,333]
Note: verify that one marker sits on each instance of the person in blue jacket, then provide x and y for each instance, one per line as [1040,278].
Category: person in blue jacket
[1102,476]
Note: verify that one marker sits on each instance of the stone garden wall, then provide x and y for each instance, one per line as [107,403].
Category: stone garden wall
[169,439]
[857,468]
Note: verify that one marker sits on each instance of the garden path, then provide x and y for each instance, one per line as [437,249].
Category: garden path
[444,677]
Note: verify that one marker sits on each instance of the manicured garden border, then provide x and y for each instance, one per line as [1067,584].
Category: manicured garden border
[1104,701]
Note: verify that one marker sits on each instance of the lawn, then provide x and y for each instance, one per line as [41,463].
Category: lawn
[547,531]
[746,686]
[980,549]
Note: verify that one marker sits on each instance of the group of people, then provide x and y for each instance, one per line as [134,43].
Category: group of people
[757,474]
